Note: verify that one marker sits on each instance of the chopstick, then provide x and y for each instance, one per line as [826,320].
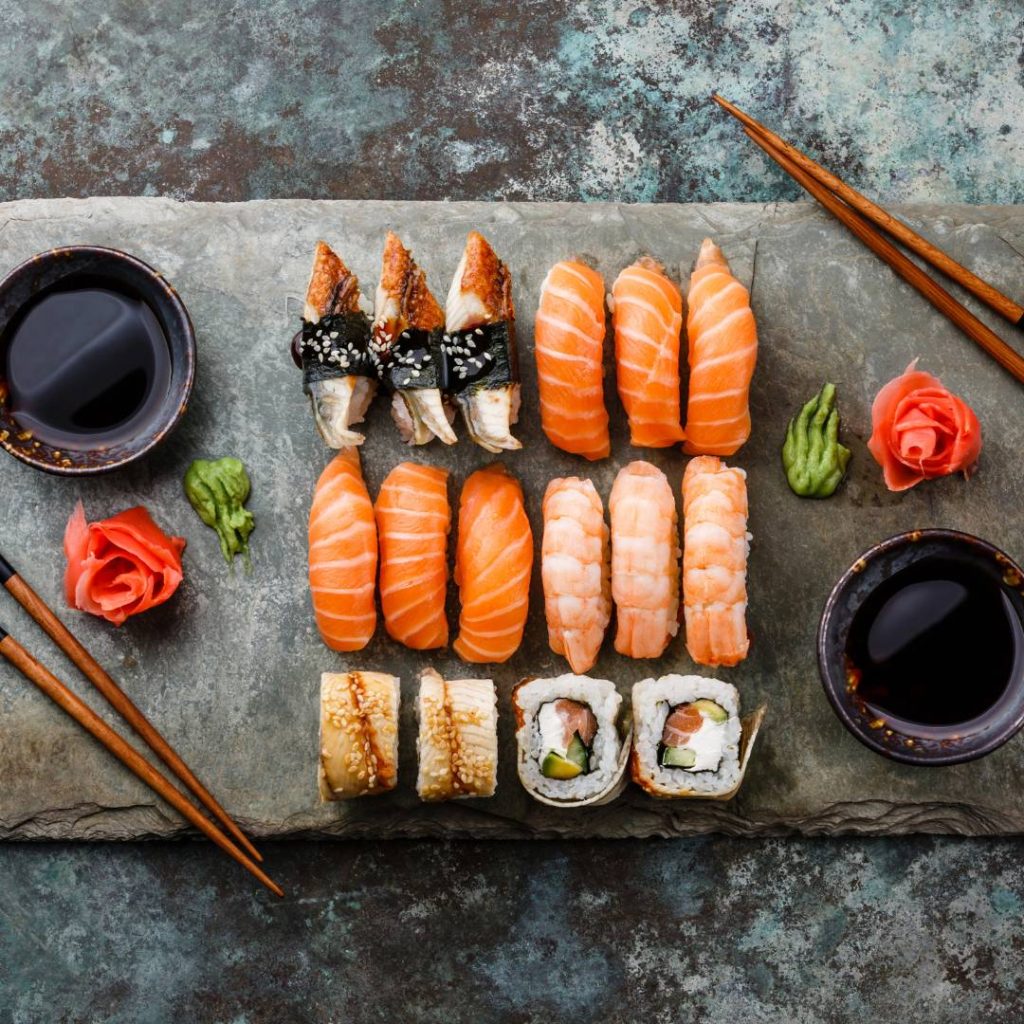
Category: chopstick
[124,752]
[117,698]
[987,339]
[977,286]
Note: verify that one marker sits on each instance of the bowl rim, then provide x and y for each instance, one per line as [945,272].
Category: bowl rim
[825,666]
[185,370]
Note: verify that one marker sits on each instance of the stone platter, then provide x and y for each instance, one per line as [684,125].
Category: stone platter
[229,669]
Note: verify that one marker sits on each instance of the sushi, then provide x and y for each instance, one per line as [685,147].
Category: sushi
[458,738]
[569,342]
[645,561]
[575,571]
[572,748]
[480,358]
[688,738]
[340,371]
[358,734]
[647,316]
[493,565]
[407,333]
[413,520]
[723,350]
[715,547]
[343,555]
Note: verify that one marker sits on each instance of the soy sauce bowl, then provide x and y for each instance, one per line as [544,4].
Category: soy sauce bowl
[97,267]
[897,738]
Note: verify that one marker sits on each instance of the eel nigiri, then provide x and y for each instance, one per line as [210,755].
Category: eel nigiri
[645,561]
[481,361]
[407,335]
[723,350]
[413,520]
[647,316]
[575,571]
[340,371]
[715,546]
[493,565]
[343,555]
[569,344]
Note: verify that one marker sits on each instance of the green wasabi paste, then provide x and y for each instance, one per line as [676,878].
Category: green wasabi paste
[218,491]
[814,460]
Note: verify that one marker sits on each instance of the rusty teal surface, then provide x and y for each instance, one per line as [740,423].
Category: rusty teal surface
[536,100]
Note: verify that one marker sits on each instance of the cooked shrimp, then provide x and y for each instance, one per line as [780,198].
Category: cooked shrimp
[715,546]
[645,561]
[575,571]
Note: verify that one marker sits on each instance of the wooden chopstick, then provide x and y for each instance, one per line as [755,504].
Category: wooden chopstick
[977,286]
[998,349]
[124,752]
[117,698]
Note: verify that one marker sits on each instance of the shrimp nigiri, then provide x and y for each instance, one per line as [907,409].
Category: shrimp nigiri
[493,565]
[645,560]
[413,519]
[723,350]
[569,342]
[715,546]
[343,555]
[407,332]
[481,361]
[575,571]
[647,316]
[340,372]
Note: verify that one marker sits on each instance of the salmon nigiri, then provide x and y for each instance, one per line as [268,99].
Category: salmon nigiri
[481,359]
[647,316]
[343,555]
[407,332]
[569,342]
[715,545]
[645,560]
[413,519]
[723,349]
[493,565]
[575,571]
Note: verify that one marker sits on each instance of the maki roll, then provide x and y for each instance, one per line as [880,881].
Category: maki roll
[407,336]
[480,357]
[573,749]
[340,372]
[690,740]
[458,737]
[358,734]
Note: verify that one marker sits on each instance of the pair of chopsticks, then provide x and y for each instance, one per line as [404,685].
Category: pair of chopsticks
[858,213]
[236,845]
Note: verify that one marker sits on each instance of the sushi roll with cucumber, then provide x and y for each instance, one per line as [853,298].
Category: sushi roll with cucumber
[458,737]
[573,743]
[358,734]
[689,739]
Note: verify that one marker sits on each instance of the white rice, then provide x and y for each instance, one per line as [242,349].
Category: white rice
[653,699]
[606,767]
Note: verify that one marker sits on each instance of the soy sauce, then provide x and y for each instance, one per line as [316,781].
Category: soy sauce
[935,646]
[86,366]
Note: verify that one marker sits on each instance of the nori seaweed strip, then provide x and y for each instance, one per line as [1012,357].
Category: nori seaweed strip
[337,345]
[415,360]
[480,358]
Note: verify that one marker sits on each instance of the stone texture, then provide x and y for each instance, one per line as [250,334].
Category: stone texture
[912,101]
[231,667]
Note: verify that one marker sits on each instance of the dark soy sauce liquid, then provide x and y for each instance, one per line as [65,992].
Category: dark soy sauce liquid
[86,366]
[936,645]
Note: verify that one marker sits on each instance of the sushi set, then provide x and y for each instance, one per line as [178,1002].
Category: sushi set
[545,556]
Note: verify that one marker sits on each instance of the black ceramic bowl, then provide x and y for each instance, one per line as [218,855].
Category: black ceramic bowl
[120,272]
[927,745]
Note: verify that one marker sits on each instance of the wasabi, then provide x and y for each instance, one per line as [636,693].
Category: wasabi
[218,491]
[814,460]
